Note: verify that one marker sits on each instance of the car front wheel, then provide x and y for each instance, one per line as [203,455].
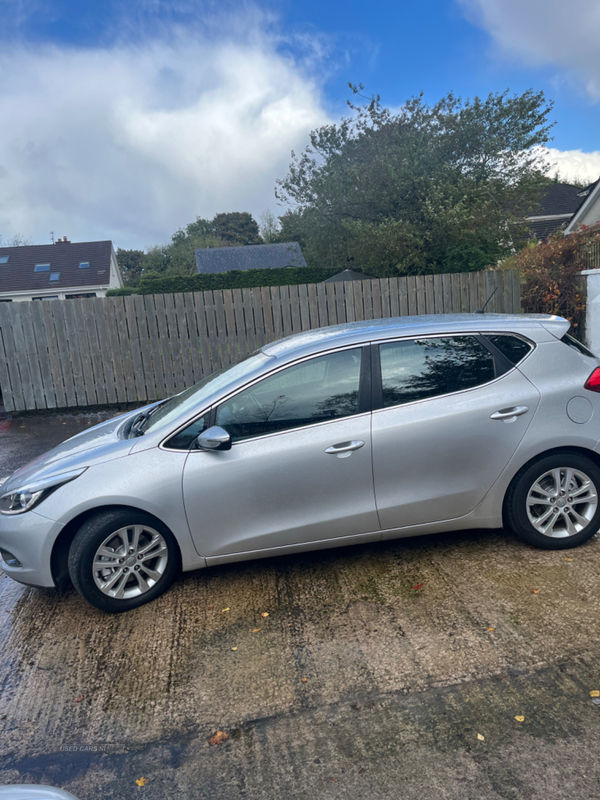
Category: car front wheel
[554,502]
[121,559]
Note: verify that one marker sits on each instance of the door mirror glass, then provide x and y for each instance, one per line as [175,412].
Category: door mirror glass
[214,438]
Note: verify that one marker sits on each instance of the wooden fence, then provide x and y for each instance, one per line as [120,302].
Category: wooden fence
[103,351]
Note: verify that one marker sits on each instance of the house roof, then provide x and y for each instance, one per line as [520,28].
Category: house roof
[252,256]
[559,198]
[589,196]
[348,275]
[541,229]
[18,274]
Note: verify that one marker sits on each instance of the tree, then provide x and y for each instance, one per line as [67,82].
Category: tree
[269,227]
[427,189]
[131,264]
[16,241]
[236,227]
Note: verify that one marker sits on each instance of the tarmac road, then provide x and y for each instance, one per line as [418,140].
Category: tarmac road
[356,684]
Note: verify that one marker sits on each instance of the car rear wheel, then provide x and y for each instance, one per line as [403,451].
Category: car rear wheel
[554,502]
[121,559]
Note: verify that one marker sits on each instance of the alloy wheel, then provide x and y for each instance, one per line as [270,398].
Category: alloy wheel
[562,502]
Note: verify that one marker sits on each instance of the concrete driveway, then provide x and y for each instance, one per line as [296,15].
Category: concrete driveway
[455,666]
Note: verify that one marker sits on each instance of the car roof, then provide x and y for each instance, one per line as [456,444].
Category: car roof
[538,327]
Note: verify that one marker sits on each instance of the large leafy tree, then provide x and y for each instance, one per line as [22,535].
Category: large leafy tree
[177,257]
[422,189]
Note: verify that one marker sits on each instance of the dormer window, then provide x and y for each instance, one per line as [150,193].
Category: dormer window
[54,276]
[84,265]
[42,268]
[3,259]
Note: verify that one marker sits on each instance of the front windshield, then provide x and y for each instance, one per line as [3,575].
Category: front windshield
[192,398]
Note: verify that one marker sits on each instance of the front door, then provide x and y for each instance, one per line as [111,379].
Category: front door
[299,470]
[437,449]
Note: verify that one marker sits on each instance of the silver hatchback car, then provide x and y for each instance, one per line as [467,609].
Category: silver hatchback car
[353,433]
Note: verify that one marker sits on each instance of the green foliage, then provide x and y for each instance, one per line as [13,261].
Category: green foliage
[131,264]
[427,189]
[236,227]
[235,279]
[124,291]
[178,256]
[269,228]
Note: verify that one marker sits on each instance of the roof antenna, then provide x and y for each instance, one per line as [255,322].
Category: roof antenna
[482,309]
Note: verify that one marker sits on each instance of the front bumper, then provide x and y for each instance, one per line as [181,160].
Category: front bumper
[29,538]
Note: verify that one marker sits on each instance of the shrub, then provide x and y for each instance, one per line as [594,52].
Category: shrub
[550,279]
[234,279]
[124,291]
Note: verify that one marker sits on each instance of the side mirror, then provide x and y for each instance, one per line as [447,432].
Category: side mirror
[214,438]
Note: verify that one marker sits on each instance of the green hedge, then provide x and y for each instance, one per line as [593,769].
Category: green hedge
[234,279]
[124,292]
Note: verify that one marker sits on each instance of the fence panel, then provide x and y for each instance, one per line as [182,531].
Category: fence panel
[69,353]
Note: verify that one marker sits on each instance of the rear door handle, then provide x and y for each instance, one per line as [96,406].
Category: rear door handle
[510,413]
[344,447]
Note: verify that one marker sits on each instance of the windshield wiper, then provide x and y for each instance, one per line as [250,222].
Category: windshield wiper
[138,423]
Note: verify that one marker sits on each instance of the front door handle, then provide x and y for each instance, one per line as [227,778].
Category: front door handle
[509,414]
[344,447]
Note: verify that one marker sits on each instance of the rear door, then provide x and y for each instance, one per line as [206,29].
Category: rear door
[447,426]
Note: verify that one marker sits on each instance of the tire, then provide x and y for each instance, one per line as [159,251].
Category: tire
[130,578]
[566,487]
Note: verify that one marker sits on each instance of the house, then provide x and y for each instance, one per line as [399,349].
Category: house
[251,256]
[59,271]
[565,207]
[348,275]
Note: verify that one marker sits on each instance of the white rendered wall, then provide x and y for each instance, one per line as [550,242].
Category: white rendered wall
[592,313]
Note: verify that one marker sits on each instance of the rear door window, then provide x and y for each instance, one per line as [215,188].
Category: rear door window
[416,369]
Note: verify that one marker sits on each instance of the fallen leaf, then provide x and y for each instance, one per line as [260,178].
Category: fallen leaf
[289,624]
[265,614]
[226,609]
[256,630]
[480,737]
[218,738]
[142,781]
[535,591]
[234,648]
[520,718]
[304,680]
[79,698]
[211,608]
[361,770]
[595,693]
[491,629]
[568,559]
[418,586]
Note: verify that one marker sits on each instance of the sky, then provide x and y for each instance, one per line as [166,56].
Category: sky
[127,119]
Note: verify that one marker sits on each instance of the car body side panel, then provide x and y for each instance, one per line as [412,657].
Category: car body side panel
[435,459]
[150,481]
[282,489]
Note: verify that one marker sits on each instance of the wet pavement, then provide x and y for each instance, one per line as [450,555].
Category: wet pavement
[363,672]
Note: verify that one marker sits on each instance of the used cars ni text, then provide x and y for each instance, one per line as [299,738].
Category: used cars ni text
[352,433]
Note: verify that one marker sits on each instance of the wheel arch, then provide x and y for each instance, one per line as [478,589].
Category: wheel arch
[60,550]
[580,451]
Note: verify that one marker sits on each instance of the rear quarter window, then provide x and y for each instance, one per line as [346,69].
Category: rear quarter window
[571,341]
[512,347]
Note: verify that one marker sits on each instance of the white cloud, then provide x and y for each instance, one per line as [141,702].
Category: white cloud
[131,142]
[574,164]
[540,32]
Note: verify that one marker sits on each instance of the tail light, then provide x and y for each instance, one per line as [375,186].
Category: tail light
[593,382]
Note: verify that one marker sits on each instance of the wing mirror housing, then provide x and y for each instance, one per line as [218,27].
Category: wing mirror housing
[214,438]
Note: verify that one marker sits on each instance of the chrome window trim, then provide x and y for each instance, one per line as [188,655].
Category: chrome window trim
[214,406]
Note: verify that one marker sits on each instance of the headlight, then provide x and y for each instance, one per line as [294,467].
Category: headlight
[20,500]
